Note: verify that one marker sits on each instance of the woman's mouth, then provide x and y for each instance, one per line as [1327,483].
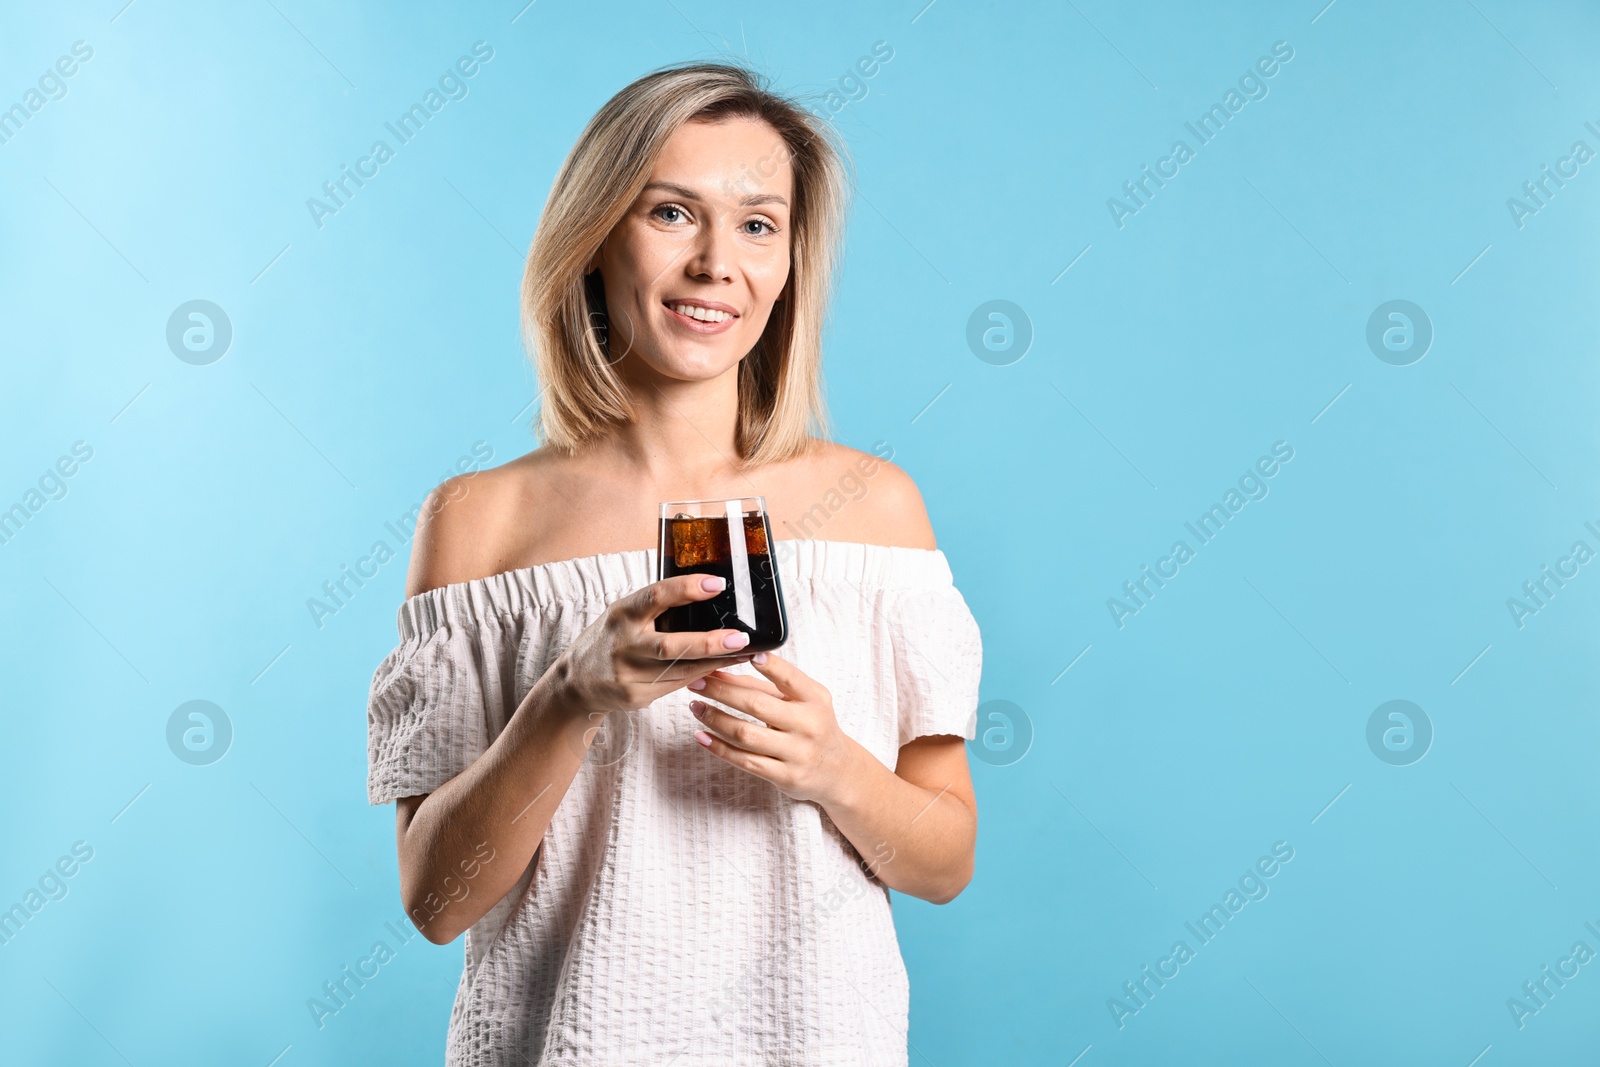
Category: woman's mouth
[700,319]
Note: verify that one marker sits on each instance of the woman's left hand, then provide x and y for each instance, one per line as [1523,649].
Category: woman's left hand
[801,749]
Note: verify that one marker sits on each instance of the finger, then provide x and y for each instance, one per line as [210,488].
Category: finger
[718,646]
[688,669]
[790,680]
[749,681]
[750,736]
[643,605]
[760,766]
[769,709]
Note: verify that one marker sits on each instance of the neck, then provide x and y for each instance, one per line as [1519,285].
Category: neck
[682,433]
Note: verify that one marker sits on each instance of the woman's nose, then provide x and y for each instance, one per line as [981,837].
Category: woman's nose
[712,256]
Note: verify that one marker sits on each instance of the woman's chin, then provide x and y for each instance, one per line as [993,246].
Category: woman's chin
[692,366]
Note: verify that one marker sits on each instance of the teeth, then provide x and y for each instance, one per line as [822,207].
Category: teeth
[703,314]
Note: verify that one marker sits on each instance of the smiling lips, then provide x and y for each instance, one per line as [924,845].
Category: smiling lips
[701,318]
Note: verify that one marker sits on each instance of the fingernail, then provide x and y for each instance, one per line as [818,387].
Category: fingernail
[760,657]
[703,737]
[698,709]
[712,583]
[697,684]
[736,640]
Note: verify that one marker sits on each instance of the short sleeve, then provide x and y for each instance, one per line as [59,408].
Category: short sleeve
[428,712]
[938,661]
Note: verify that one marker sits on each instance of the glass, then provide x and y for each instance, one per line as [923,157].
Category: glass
[694,540]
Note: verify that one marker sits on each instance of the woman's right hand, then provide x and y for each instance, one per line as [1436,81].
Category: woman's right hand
[620,663]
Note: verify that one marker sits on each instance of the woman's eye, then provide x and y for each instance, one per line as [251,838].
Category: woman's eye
[668,209]
[763,228]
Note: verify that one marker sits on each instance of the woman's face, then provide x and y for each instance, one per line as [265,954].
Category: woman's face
[692,270]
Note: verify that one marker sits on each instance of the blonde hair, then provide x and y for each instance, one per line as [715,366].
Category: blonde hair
[780,380]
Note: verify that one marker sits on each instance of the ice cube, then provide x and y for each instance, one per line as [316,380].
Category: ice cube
[693,542]
[755,535]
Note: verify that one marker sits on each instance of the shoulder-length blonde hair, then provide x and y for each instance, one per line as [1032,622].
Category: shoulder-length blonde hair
[563,309]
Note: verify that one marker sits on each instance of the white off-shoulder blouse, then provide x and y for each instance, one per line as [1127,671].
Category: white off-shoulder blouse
[679,910]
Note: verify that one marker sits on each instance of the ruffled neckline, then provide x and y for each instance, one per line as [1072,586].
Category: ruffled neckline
[607,576]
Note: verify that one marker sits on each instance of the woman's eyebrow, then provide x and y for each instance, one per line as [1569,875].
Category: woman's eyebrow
[689,194]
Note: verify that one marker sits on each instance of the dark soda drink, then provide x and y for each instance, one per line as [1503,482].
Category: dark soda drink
[751,600]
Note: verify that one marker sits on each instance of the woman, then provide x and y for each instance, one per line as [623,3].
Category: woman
[637,886]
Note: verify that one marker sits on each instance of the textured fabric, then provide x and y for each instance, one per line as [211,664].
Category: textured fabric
[679,910]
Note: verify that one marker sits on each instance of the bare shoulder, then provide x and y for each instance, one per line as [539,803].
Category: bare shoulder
[462,530]
[865,497]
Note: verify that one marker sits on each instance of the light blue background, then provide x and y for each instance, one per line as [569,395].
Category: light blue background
[370,354]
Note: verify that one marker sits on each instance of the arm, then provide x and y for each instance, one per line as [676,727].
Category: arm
[915,826]
[463,846]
